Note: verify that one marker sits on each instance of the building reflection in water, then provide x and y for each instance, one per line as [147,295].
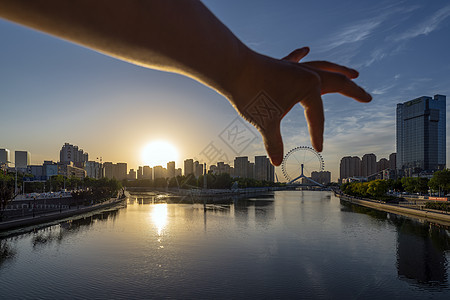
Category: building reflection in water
[421,253]
[421,248]
[58,232]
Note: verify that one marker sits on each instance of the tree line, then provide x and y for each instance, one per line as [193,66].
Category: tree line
[439,183]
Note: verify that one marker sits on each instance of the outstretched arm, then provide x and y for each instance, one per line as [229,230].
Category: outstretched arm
[184,37]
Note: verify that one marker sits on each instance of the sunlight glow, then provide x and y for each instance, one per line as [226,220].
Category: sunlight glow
[159,153]
[159,216]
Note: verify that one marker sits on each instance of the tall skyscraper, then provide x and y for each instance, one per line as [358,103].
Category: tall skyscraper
[4,157]
[22,159]
[421,134]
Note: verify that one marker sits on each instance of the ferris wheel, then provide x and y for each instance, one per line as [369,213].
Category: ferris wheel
[300,162]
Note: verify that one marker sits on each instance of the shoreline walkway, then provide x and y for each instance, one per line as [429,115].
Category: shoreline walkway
[423,214]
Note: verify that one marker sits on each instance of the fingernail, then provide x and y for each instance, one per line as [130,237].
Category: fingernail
[276,160]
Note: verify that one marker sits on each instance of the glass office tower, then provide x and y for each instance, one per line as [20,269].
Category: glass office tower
[421,134]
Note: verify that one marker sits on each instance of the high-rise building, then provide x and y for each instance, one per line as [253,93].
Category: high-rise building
[350,167]
[71,153]
[120,171]
[264,170]
[368,165]
[4,157]
[108,168]
[22,159]
[241,167]
[198,169]
[382,164]
[178,172]
[132,175]
[159,172]
[393,161]
[171,169]
[147,172]
[188,167]
[421,134]
[322,177]
[94,169]
[140,173]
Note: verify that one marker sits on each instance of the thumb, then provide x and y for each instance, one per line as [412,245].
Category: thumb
[273,143]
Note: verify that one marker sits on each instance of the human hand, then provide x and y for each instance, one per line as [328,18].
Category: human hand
[269,88]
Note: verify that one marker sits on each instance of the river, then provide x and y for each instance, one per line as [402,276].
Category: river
[287,244]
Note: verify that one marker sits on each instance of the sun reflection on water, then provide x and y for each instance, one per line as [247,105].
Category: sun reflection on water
[159,216]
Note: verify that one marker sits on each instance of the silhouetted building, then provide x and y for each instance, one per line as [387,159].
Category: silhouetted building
[241,167]
[382,164]
[108,168]
[178,172]
[188,167]
[147,172]
[132,174]
[368,165]
[159,172]
[4,157]
[121,171]
[322,177]
[393,161]
[350,167]
[22,159]
[198,169]
[140,173]
[421,134]
[264,170]
[171,169]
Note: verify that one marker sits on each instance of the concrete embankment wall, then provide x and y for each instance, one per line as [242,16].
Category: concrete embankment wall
[45,218]
[422,214]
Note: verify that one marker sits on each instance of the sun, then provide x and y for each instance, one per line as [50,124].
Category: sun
[159,153]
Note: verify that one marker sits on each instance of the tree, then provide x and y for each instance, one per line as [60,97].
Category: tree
[441,181]
[377,188]
[6,194]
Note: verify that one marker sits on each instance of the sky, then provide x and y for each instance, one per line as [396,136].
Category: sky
[53,91]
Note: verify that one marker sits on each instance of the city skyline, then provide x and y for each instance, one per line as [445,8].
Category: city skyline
[60,92]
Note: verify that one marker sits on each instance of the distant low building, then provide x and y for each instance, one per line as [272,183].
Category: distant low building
[322,177]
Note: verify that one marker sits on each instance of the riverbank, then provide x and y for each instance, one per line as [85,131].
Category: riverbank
[423,214]
[58,215]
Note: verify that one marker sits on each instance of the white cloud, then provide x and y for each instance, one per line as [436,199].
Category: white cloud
[429,25]
[351,34]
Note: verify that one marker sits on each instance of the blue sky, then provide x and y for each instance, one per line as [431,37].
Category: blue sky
[53,91]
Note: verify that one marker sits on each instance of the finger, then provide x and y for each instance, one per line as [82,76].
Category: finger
[297,54]
[329,66]
[333,82]
[315,117]
[273,142]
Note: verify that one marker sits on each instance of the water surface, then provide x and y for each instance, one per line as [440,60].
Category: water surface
[290,244]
